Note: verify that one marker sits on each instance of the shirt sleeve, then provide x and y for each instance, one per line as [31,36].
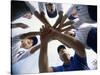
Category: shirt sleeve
[15,40]
[77,23]
[82,59]
[68,13]
[80,37]
[41,6]
[32,8]
[59,7]
[58,69]
[82,33]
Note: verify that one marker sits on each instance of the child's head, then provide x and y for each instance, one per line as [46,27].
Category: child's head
[29,42]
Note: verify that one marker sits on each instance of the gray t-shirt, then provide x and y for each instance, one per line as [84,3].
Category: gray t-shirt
[82,33]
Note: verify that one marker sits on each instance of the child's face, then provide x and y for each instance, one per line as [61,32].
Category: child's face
[50,7]
[64,56]
[26,43]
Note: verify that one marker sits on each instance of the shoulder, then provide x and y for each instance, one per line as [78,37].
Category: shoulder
[79,63]
[77,58]
[58,68]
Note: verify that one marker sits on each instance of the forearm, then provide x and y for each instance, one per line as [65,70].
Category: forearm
[34,49]
[30,34]
[67,29]
[42,14]
[58,21]
[66,15]
[38,15]
[42,18]
[43,59]
[45,21]
[62,21]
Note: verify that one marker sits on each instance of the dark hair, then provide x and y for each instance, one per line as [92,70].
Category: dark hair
[51,15]
[35,40]
[92,10]
[60,47]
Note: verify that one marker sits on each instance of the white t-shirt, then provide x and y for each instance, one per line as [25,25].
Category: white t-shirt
[20,54]
[82,33]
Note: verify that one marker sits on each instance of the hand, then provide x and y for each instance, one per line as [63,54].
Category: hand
[44,31]
[65,26]
[48,33]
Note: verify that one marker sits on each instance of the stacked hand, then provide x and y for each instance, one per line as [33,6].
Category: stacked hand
[47,33]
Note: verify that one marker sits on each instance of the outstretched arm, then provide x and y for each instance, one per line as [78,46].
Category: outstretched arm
[60,13]
[59,19]
[42,13]
[44,19]
[62,21]
[43,57]
[40,16]
[34,49]
[29,34]
[21,25]
[70,41]
[66,29]
[66,16]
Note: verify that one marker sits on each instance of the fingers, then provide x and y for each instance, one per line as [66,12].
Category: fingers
[44,33]
[55,26]
[43,30]
[64,26]
[41,33]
